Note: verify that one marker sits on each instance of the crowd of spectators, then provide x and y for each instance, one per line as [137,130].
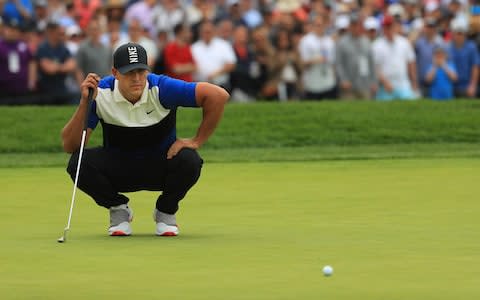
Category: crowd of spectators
[256,49]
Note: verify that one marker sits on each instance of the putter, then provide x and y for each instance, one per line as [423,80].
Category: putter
[63,238]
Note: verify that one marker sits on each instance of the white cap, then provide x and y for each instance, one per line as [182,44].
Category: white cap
[342,22]
[371,23]
[431,6]
[459,25]
[73,30]
[288,5]
[396,9]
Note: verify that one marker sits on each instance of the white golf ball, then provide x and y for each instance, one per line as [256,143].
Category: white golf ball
[327,270]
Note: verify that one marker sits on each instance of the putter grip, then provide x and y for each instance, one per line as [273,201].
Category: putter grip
[89,103]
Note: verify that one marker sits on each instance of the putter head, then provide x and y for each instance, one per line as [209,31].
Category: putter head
[63,238]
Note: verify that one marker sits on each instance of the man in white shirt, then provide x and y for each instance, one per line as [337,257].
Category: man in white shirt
[395,62]
[317,52]
[214,57]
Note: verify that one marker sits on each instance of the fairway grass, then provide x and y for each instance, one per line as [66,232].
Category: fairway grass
[391,229]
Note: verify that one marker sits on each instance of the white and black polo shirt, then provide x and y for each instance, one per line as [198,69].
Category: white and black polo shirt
[150,123]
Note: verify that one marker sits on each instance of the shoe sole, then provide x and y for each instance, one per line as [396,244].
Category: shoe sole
[119,233]
[168,233]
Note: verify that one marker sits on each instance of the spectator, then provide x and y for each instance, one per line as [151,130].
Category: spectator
[411,15]
[354,62]
[69,16]
[74,37]
[441,75]
[428,40]
[244,78]
[166,16]
[86,10]
[287,69]
[18,10]
[93,56]
[17,65]
[317,51]
[141,11]
[250,15]
[114,34]
[395,64]
[225,30]
[55,63]
[161,42]
[40,15]
[342,23]
[464,55]
[235,14]
[214,57]
[138,34]
[56,10]
[371,27]
[178,56]
[200,11]
[265,57]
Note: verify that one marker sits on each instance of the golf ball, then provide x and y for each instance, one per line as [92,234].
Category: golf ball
[327,270]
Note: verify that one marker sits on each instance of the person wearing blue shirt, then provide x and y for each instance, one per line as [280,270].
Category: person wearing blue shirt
[465,57]
[424,47]
[141,151]
[19,10]
[441,76]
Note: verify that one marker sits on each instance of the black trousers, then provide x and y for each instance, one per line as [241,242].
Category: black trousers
[105,174]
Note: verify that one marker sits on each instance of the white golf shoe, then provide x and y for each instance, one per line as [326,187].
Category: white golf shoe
[120,218]
[166,225]
[163,229]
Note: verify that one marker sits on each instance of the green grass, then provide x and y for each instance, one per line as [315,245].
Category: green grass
[275,125]
[392,229]
[308,153]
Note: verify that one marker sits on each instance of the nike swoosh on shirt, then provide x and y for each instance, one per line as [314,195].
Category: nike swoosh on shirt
[149,112]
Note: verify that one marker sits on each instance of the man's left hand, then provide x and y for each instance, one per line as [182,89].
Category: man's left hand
[179,145]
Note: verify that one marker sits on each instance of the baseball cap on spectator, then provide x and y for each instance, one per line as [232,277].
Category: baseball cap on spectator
[130,56]
[459,25]
[288,6]
[11,23]
[73,30]
[371,23]
[52,25]
[342,22]
[396,10]
[387,20]
[431,6]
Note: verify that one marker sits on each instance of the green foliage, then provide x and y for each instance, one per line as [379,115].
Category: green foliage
[274,125]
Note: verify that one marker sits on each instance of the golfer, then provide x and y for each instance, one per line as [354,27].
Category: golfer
[140,151]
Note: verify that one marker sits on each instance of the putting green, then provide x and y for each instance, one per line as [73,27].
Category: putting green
[391,229]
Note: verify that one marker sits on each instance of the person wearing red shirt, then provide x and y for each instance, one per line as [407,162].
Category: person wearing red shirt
[178,57]
[85,11]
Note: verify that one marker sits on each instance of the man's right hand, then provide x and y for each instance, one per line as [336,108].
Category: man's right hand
[346,85]
[387,86]
[90,82]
